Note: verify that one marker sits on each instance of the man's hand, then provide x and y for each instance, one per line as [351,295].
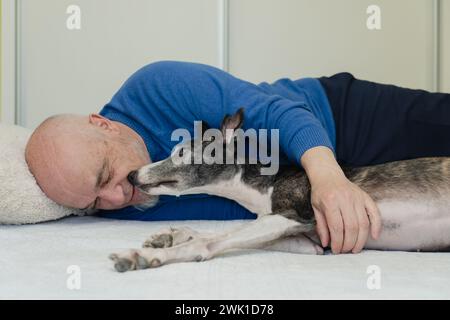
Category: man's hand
[343,211]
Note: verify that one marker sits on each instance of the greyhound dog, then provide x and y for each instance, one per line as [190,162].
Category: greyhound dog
[413,197]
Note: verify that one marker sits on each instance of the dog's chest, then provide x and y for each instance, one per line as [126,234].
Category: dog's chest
[256,201]
[250,198]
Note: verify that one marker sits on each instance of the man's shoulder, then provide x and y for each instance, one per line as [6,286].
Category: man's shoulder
[169,68]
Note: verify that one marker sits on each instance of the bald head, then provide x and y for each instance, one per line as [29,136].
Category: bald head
[82,161]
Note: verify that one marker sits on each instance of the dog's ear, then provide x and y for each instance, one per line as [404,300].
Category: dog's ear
[231,123]
[205,127]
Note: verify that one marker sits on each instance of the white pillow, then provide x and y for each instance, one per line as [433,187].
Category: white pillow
[21,199]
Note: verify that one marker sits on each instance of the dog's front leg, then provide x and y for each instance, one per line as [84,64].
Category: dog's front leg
[295,244]
[171,237]
[253,235]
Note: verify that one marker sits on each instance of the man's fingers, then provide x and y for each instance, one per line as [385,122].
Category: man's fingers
[363,232]
[336,227]
[374,216]
[322,227]
[350,226]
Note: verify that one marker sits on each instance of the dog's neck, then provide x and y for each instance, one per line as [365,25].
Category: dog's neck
[250,197]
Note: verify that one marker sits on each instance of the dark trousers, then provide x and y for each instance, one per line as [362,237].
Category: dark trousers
[377,123]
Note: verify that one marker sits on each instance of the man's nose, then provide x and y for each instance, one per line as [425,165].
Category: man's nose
[132,177]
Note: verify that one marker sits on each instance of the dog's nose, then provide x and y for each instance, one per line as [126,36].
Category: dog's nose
[132,177]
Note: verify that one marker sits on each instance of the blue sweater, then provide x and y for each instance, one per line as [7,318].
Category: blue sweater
[167,95]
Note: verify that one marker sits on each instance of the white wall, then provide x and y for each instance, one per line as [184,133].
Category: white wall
[78,71]
[7,63]
[445,43]
[272,39]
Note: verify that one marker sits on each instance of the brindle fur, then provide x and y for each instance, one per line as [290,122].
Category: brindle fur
[399,180]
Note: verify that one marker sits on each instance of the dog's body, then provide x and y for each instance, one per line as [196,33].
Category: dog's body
[413,197]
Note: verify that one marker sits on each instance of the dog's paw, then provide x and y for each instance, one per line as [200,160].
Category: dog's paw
[138,259]
[127,262]
[124,261]
[170,237]
[319,249]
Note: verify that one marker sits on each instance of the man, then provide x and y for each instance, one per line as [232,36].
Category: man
[83,161]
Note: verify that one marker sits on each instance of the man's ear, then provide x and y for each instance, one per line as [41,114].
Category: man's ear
[231,123]
[102,122]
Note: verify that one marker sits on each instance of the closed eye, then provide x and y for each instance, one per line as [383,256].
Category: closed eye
[105,183]
[110,176]
[108,180]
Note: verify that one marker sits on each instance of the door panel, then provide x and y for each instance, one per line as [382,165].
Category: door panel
[445,46]
[297,38]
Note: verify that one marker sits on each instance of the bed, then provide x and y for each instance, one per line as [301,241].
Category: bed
[36,262]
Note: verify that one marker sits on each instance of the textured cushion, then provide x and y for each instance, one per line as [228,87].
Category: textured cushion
[21,199]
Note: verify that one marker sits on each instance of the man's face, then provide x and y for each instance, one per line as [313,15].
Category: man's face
[105,184]
[83,168]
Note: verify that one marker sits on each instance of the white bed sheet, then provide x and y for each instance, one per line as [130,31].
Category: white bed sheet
[34,261]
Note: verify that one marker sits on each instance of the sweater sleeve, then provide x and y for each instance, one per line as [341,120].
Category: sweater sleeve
[207,93]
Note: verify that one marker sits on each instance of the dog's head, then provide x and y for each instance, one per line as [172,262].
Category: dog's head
[206,160]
